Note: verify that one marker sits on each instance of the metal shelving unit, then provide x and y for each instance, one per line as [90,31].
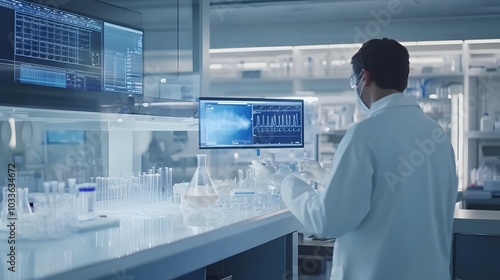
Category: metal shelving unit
[481,87]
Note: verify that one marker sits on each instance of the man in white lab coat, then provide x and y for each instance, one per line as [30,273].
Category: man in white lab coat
[389,199]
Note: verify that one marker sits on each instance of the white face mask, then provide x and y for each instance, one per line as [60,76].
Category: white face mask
[361,104]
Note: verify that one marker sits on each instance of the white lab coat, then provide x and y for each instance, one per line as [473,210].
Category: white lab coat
[390,197]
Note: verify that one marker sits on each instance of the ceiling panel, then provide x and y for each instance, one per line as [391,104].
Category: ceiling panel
[249,12]
[239,12]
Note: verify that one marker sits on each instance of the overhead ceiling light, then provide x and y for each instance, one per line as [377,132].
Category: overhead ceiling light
[256,49]
[485,41]
[253,65]
[311,99]
[173,103]
[408,44]
[307,99]
[346,46]
[215,66]
[430,59]
[312,47]
[338,62]
[435,43]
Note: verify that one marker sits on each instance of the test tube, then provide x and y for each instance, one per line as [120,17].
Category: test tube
[157,192]
[240,178]
[164,174]
[60,187]
[170,187]
[150,187]
[161,186]
[121,190]
[72,186]
[53,186]
[106,192]
[46,188]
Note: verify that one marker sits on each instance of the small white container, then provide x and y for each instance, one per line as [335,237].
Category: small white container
[497,125]
[86,203]
[487,123]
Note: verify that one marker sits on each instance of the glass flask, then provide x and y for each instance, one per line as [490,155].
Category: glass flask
[201,191]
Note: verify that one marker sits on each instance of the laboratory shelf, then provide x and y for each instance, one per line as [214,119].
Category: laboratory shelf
[62,119]
[484,74]
[437,75]
[483,135]
[249,80]
[162,244]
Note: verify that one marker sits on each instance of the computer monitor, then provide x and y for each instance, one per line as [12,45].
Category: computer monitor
[250,123]
[48,47]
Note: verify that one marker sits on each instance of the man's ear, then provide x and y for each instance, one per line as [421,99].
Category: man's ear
[367,77]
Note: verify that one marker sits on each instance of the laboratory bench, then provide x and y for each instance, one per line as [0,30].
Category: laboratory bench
[476,244]
[166,244]
[169,243]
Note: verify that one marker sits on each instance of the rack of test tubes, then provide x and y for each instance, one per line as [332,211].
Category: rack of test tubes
[153,188]
[63,208]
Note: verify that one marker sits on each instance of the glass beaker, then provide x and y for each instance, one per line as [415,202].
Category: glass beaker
[201,191]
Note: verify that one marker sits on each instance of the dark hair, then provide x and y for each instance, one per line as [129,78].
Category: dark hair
[387,61]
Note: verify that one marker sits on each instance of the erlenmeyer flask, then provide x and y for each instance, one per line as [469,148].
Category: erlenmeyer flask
[201,191]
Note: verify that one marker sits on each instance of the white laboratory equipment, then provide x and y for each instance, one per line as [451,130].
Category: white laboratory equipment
[487,123]
[497,125]
[86,203]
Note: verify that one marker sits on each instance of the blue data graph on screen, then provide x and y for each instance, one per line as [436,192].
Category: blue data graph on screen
[277,120]
[228,124]
[277,124]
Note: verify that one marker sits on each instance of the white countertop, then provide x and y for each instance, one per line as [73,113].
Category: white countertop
[182,241]
[476,221]
[145,237]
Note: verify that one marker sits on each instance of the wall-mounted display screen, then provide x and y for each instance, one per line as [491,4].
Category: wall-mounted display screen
[65,137]
[251,123]
[54,48]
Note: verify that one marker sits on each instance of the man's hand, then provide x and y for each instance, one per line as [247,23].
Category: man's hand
[265,173]
[264,170]
[312,170]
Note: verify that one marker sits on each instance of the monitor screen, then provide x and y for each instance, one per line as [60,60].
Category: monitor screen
[65,137]
[55,48]
[251,123]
